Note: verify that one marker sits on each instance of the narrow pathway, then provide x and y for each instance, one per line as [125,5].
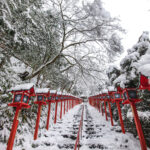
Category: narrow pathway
[92,132]
[62,135]
[99,134]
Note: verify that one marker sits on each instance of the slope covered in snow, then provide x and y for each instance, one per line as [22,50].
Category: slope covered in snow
[97,134]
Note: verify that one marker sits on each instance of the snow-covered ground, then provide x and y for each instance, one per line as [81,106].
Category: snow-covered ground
[97,134]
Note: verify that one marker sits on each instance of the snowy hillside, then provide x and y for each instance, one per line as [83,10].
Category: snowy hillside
[97,134]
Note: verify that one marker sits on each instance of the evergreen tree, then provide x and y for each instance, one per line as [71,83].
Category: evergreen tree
[128,77]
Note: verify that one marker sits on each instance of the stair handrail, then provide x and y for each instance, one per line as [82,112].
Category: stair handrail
[77,143]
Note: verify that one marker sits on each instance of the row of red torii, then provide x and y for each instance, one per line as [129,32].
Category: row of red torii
[21,97]
[126,96]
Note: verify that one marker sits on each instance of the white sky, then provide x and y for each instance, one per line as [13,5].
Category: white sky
[134,16]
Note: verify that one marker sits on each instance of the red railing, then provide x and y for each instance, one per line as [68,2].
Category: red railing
[77,144]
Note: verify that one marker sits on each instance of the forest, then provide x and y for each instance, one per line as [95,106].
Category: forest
[69,46]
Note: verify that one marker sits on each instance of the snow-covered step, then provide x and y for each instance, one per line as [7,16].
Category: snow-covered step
[62,135]
[99,134]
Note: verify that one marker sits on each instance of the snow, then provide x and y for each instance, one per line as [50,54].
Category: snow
[106,136]
[4,105]
[111,88]
[144,37]
[4,96]
[96,93]
[26,86]
[104,91]
[97,132]
[130,51]
[142,115]
[27,15]
[131,57]
[143,64]
[6,4]
[145,70]
[52,91]
[133,73]
[42,90]
[59,93]
[1,88]
[96,9]
[111,69]
[7,23]
[18,67]
[121,79]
